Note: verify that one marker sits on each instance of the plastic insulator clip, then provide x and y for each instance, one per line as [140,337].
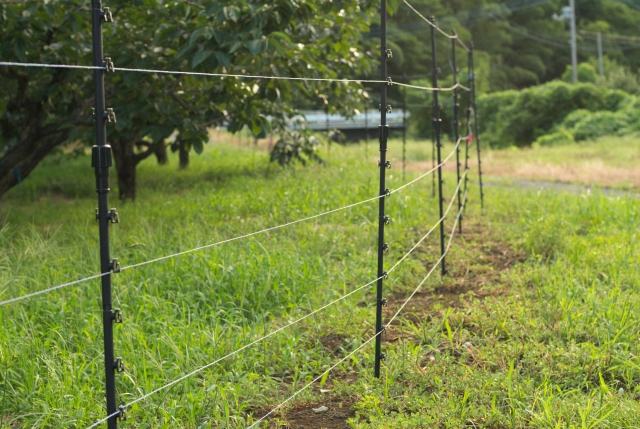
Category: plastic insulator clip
[384,303]
[108,65]
[389,81]
[389,108]
[389,53]
[438,71]
[113,216]
[385,247]
[386,220]
[122,415]
[385,275]
[387,192]
[114,266]
[116,316]
[110,115]
[106,15]
[383,356]
[387,164]
[118,365]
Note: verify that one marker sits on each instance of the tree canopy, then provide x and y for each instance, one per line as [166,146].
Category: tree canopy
[40,108]
[518,43]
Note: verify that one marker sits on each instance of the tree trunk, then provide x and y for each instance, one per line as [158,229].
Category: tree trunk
[184,155]
[126,163]
[161,153]
[22,159]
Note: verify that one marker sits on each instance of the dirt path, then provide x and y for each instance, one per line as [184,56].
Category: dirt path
[477,271]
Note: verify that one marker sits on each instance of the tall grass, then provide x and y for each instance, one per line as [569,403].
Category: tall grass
[553,340]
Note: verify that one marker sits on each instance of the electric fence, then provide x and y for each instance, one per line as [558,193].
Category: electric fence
[101,161]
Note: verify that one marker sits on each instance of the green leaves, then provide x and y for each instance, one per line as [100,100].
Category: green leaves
[199,57]
[254,46]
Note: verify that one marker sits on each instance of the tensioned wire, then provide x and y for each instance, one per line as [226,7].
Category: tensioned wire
[432,169]
[202,368]
[449,36]
[75,282]
[378,333]
[221,75]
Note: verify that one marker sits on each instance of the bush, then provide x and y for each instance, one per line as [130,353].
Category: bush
[586,73]
[589,125]
[519,118]
[559,138]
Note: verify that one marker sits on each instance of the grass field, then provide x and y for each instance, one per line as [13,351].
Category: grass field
[536,326]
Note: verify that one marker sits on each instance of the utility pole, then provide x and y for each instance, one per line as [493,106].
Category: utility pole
[574,51]
[600,66]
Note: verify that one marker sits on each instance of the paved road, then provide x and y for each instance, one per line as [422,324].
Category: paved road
[559,186]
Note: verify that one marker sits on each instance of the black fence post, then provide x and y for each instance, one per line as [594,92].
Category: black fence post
[436,130]
[404,127]
[366,128]
[433,155]
[455,120]
[469,133]
[101,161]
[477,132]
[383,164]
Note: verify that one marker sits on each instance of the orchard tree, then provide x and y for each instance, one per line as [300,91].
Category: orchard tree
[42,108]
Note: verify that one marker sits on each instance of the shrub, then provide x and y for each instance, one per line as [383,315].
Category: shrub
[586,73]
[519,118]
[589,125]
[559,138]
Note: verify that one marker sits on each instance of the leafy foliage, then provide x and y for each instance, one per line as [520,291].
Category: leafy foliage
[559,138]
[296,145]
[519,118]
[284,37]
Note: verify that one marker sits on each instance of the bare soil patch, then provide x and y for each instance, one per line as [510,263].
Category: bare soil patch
[302,416]
[479,278]
[467,279]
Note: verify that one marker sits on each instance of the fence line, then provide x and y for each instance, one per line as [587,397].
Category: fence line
[227,75]
[207,246]
[433,24]
[101,161]
[202,368]
[376,335]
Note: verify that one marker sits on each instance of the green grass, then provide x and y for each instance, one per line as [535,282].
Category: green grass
[609,150]
[554,338]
